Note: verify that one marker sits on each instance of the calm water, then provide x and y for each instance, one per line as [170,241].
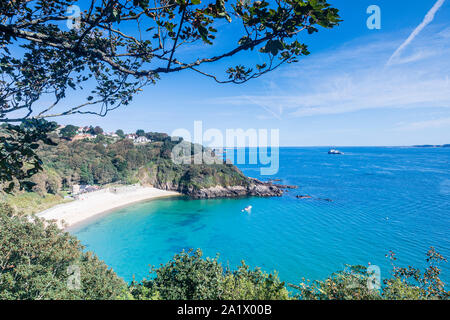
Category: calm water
[383,199]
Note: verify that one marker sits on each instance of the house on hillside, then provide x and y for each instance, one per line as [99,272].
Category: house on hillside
[84,129]
[141,140]
[131,136]
[111,134]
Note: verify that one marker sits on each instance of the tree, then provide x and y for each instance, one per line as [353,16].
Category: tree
[349,284]
[39,261]
[120,133]
[68,131]
[60,54]
[405,284]
[18,158]
[140,133]
[86,175]
[97,130]
[105,45]
[188,276]
[412,284]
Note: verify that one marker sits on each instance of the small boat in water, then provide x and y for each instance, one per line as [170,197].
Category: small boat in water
[247,209]
[334,151]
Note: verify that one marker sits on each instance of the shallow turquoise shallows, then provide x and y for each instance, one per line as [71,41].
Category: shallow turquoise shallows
[383,199]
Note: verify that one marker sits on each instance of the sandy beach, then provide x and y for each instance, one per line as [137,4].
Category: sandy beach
[94,203]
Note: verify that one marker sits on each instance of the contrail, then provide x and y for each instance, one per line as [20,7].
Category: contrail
[428,18]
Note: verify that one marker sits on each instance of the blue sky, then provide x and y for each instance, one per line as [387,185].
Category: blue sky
[344,93]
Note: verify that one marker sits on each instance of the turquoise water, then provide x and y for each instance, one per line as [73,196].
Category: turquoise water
[383,199]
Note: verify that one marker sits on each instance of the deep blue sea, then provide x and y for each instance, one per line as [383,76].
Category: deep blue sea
[383,199]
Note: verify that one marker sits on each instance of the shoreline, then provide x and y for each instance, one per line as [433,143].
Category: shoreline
[90,206]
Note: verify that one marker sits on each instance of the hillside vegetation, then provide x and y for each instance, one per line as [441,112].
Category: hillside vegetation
[103,161]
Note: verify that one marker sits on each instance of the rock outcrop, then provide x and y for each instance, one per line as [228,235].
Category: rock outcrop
[253,189]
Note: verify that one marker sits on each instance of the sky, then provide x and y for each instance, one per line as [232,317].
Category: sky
[359,87]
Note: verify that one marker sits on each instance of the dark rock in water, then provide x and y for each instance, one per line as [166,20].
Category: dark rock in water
[284,186]
[303,197]
[259,190]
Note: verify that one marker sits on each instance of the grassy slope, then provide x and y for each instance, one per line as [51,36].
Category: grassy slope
[30,202]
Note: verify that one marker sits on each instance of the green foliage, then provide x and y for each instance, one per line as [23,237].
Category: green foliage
[140,133]
[405,284]
[246,284]
[189,277]
[103,162]
[157,136]
[68,131]
[18,158]
[349,284]
[411,283]
[31,202]
[120,133]
[36,259]
[97,130]
[94,51]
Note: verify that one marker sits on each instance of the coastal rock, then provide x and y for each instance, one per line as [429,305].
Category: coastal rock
[258,190]
[303,197]
[284,186]
[326,199]
[254,187]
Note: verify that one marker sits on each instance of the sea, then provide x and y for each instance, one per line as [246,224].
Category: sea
[364,204]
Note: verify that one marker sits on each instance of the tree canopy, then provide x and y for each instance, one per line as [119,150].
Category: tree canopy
[68,131]
[116,47]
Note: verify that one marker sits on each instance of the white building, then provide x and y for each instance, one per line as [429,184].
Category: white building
[141,140]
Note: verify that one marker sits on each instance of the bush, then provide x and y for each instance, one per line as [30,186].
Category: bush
[37,261]
[406,283]
[189,277]
[349,284]
[246,284]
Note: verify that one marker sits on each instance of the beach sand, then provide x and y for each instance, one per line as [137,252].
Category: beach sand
[95,203]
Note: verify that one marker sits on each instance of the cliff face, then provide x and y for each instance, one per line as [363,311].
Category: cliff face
[258,190]
[206,182]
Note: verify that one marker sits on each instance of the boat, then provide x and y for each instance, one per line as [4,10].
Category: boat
[334,151]
[248,209]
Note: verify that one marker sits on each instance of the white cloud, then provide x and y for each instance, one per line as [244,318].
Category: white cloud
[427,124]
[426,21]
[353,77]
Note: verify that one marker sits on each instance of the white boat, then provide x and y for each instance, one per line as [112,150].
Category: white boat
[335,151]
[248,209]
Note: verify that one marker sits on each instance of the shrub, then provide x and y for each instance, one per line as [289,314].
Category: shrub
[36,259]
[189,277]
